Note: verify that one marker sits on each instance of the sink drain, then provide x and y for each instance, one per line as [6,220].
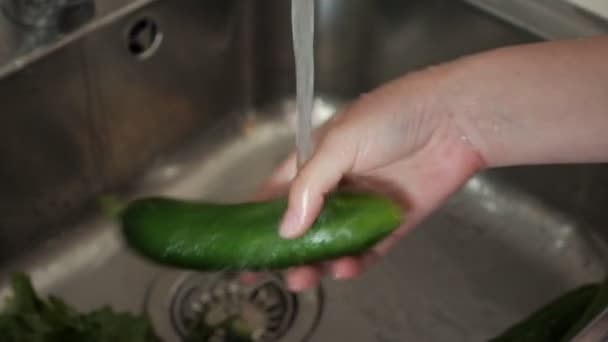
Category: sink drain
[144,38]
[265,307]
[180,303]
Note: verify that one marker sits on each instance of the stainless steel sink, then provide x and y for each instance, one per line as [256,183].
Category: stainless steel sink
[194,99]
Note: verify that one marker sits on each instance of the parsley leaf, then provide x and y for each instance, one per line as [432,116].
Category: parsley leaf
[29,318]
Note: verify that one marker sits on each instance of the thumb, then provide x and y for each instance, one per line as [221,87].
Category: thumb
[280,179]
[333,158]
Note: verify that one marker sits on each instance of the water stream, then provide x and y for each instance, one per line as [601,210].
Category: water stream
[303,23]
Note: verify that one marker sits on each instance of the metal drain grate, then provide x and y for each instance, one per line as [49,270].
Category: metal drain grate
[265,307]
[180,303]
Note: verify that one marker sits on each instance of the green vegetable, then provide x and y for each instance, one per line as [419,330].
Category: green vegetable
[29,318]
[553,321]
[598,304]
[235,330]
[210,236]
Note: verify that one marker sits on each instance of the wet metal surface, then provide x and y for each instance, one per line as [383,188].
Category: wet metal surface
[490,255]
[210,112]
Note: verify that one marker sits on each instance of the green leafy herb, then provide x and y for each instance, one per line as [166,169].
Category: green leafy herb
[29,318]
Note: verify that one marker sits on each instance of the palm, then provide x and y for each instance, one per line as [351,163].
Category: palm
[396,140]
[419,182]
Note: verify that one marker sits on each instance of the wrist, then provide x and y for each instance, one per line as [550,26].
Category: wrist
[476,94]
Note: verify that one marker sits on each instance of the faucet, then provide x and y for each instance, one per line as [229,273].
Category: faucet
[60,15]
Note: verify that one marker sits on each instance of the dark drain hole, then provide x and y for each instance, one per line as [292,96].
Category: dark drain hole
[144,38]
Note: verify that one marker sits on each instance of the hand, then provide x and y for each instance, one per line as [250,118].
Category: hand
[398,139]
[421,137]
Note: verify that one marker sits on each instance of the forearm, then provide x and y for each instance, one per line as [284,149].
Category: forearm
[533,104]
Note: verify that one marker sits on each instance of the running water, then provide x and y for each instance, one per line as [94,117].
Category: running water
[303,23]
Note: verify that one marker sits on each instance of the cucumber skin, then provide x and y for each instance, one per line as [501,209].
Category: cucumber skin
[552,321]
[597,305]
[244,236]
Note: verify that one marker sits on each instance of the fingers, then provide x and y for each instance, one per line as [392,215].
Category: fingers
[334,157]
[347,268]
[384,246]
[279,181]
[307,277]
[303,278]
[298,279]
[248,278]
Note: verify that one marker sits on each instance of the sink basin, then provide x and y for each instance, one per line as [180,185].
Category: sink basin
[196,99]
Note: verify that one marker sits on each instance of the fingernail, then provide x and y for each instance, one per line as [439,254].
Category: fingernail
[290,225]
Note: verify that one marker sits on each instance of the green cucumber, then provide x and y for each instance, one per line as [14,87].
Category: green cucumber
[597,305]
[244,236]
[552,322]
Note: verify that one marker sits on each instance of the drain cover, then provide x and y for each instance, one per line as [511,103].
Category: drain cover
[180,302]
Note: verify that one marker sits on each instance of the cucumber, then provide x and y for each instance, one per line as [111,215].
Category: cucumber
[244,236]
[597,305]
[552,322]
